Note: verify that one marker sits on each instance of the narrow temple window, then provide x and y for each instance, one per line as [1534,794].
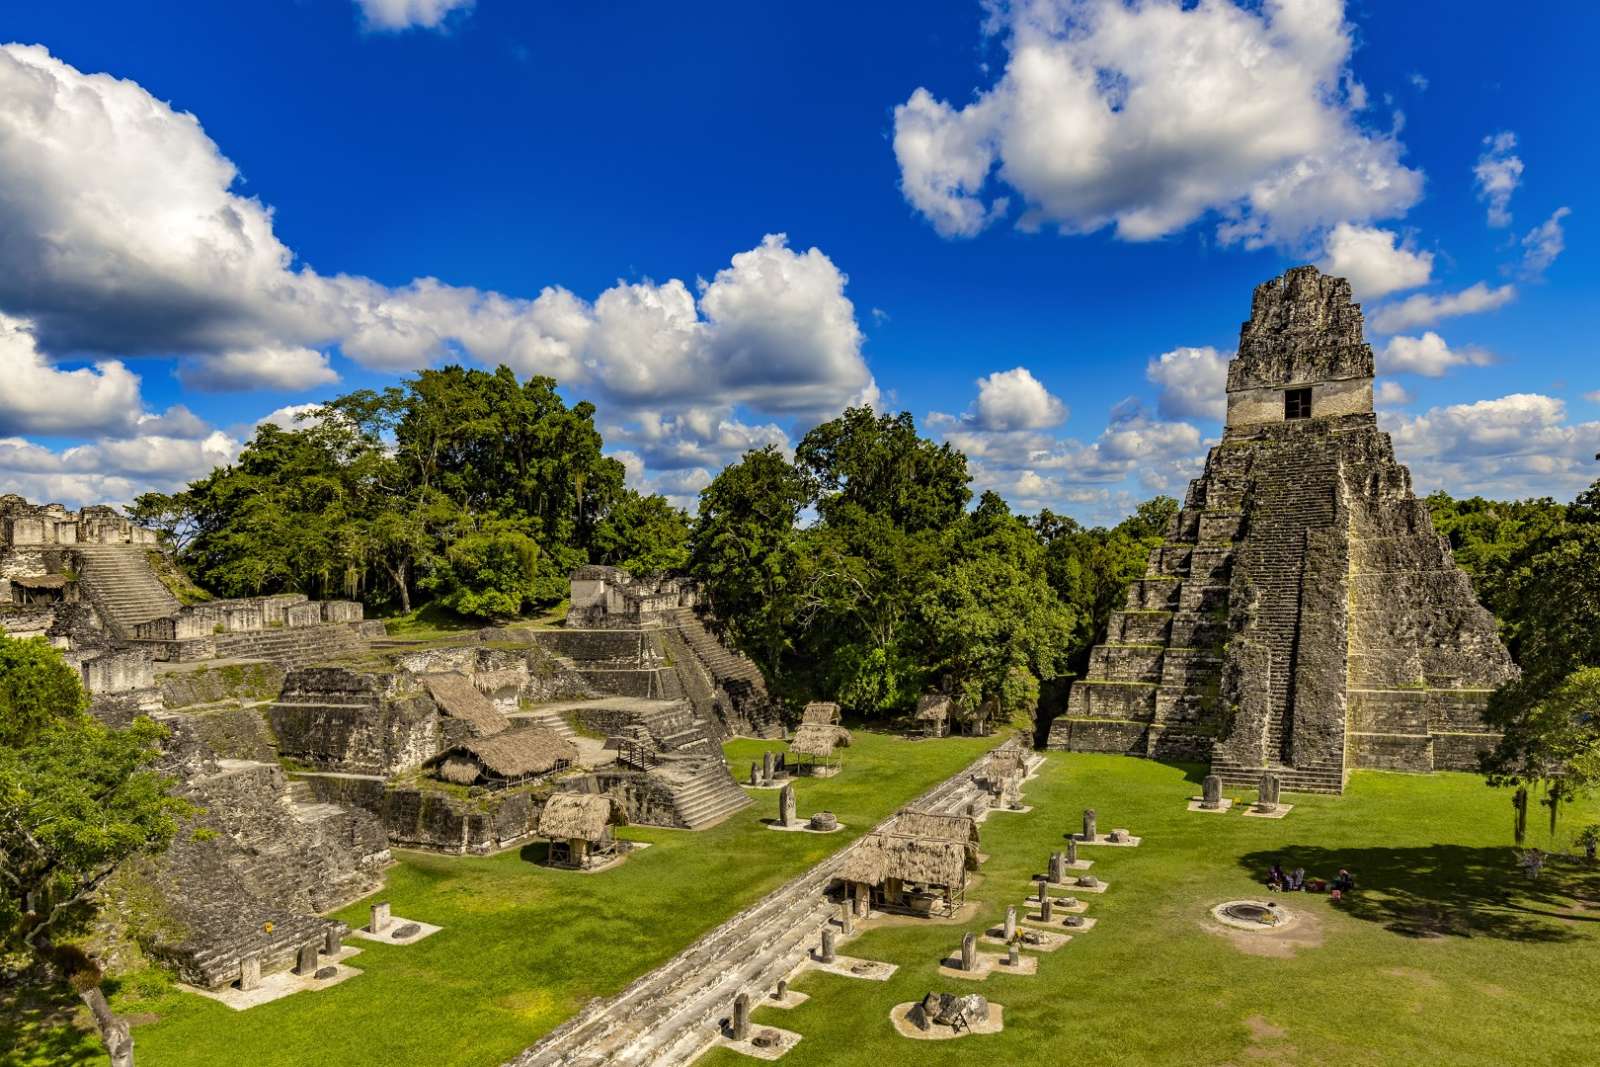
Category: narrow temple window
[1297,404]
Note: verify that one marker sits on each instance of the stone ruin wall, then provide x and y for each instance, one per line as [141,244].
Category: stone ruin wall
[437,821]
[209,899]
[360,722]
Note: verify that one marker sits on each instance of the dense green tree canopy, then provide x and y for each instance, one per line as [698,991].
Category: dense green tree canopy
[1536,565]
[445,485]
[76,799]
[894,587]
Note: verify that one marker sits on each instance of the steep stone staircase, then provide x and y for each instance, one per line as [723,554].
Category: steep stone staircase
[122,585]
[734,672]
[703,791]
[550,719]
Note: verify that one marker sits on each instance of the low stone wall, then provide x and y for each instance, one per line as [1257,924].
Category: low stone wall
[613,647]
[215,685]
[437,821]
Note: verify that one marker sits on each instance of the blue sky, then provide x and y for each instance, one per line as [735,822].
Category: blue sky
[1036,227]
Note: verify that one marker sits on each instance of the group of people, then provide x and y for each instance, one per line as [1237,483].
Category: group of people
[1295,881]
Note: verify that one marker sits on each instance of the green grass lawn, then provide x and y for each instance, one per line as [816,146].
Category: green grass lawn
[1446,954]
[523,947]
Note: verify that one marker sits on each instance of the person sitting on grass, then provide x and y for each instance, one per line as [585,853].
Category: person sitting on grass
[1343,884]
[1297,880]
[1276,878]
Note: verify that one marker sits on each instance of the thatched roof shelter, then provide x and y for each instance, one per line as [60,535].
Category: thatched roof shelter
[825,712]
[513,756]
[1002,764]
[926,860]
[576,817]
[818,740]
[961,829]
[458,698]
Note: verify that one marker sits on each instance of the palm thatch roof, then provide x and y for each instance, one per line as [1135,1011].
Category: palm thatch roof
[931,707]
[511,755]
[817,739]
[1004,763]
[962,829]
[575,816]
[825,712]
[458,698]
[881,856]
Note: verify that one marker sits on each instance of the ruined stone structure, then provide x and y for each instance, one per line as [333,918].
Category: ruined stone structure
[1302,616]
[679,657]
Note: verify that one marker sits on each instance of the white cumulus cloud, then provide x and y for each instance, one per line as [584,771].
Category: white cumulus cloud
[269,367]
[1497,174]
[1370,259]
[1514,446]
[1193,381]
[1391,394]
[1428,356]
[1425,309]
[395,15]
[1015,400]
[1147,116]
[37,397]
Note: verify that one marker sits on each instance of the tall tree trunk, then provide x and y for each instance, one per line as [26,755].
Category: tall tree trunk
[114,1032]
[398,575]
[1519,801]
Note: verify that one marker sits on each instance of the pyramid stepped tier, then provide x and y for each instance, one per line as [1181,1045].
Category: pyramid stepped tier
[122,585]
[752,710]
[1302,616]
[703,792]
[293,648]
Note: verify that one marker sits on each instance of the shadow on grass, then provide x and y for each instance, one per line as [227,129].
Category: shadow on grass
[535,852]
[37,1027]
[1192,772]
[1448,890]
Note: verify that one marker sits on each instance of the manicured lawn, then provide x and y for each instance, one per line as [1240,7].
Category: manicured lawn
[524,947]
[1446,955]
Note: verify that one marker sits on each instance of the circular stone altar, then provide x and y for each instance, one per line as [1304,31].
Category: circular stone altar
[1256,915]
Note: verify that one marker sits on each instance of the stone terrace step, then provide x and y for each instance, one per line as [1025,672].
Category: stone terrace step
[121,583]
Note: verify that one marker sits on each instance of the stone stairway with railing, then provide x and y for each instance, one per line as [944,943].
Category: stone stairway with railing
[122,585]
[1294,492]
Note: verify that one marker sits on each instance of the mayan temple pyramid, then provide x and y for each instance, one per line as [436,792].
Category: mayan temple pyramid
[1302,616]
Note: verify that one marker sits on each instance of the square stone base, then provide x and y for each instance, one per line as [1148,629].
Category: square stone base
[1055,925]
[790,999]
[1105,839]
[1048,941]
[786,1040]
[900,1015]
[1251,811]
[280,984]
[395,923]
[851,967]
[987,963]
[1196,802]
